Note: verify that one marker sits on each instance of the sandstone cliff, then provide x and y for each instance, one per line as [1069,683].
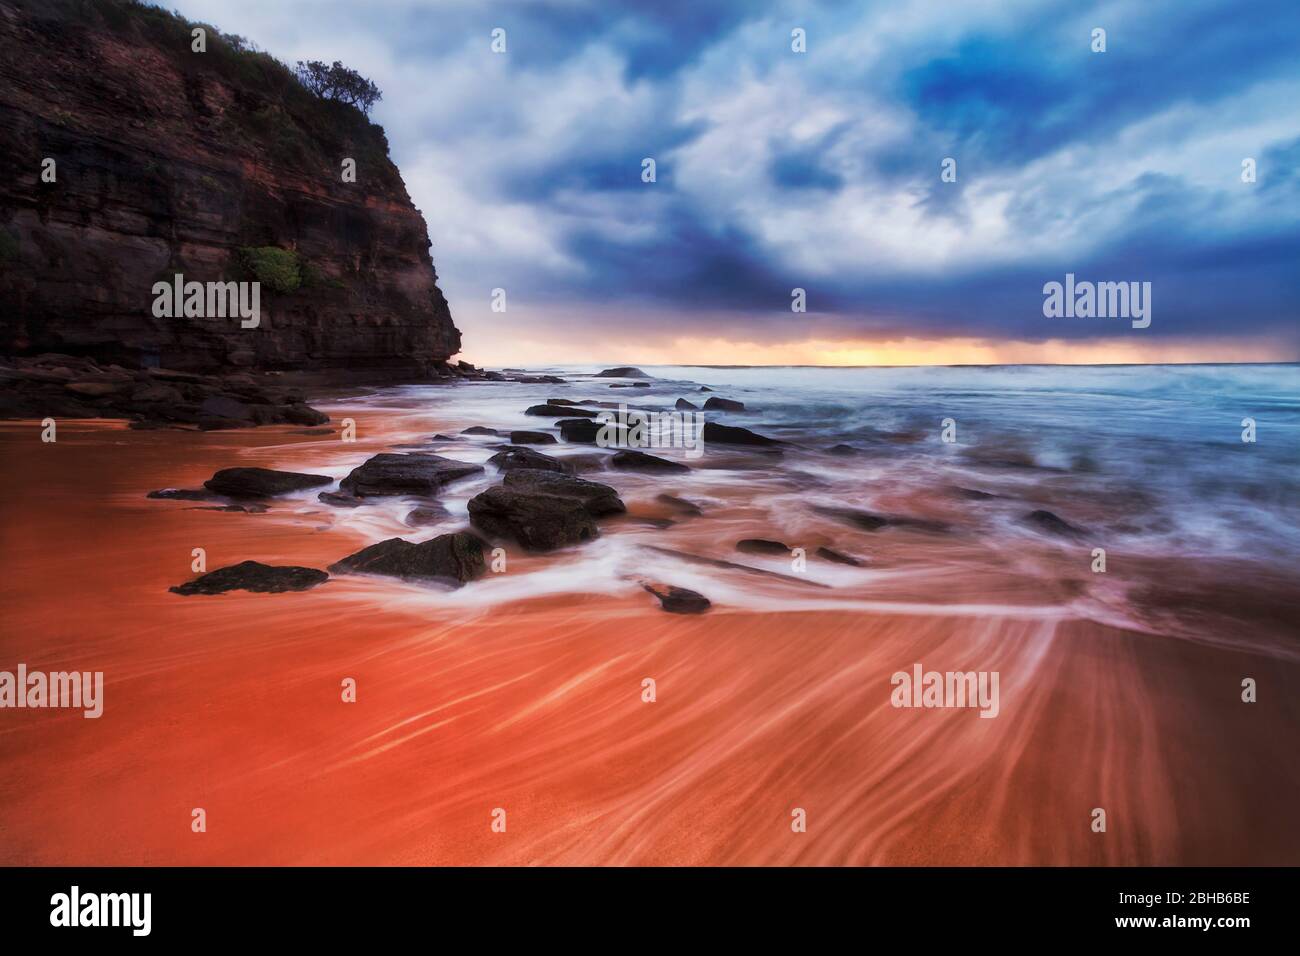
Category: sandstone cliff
[168,160]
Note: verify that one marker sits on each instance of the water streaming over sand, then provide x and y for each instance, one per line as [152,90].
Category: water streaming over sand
[523,690]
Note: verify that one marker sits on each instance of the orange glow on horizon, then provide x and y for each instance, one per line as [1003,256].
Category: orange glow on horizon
[515,351]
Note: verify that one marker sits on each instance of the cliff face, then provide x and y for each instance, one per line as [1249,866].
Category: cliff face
[169,160]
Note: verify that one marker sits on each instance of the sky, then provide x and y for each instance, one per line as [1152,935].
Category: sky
[822,170]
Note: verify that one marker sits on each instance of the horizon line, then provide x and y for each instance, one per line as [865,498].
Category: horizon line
[917,365]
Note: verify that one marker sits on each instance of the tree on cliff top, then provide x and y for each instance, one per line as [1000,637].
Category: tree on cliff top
[337,82]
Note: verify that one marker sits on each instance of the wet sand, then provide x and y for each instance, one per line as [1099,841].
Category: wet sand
[232,703]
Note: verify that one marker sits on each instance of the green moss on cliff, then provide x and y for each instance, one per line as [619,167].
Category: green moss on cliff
[278,269]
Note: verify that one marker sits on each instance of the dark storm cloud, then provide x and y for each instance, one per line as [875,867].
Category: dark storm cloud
[821,170]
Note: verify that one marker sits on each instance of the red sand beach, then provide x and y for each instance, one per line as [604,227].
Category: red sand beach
[232,703]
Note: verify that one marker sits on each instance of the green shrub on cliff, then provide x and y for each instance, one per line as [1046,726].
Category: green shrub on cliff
[278,269]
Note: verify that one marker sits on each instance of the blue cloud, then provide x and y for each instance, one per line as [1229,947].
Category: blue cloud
[821,170]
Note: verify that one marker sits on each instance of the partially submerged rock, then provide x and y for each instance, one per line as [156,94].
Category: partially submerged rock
[252,508]
[532,438]
[340,499]
[182,494]
[622,371]
[253,576]
[681,505]
[539,522]
[734,435]
[844,451]
[762,546]
[409,474]
[261,482]
[426,514]
[479,430]
[599,500]
[509,459]
[582,431]
[559,411]
[1049,523]
[974,494]
[683,405]
[454,558]
[677,600]
[630,460]
[716,404]
[871,521]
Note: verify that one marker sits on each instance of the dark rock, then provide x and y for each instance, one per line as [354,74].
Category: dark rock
[511,458]
[253,576]
[219,406]
[409,474]
[843,451]
[761,546]
[340,499]
[837,557]
[623,371]
[182,494]
[705,388]
[677,600]
[479,430]
[680,504]
[154,392]
[561,401]
[95,389]
[297,413]
[559,411]
[455,558]
[973,494]
[684,405]
[532,438]
[312,431]
[539,522]
[870,521]
[581,431]
[723,405]
[425,515]
[731,435]
[599,500]
[252,509]
[442,438]
[629,460]
[261,482]
[630,385]
[595,461]
[662,524]
[1049,523]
